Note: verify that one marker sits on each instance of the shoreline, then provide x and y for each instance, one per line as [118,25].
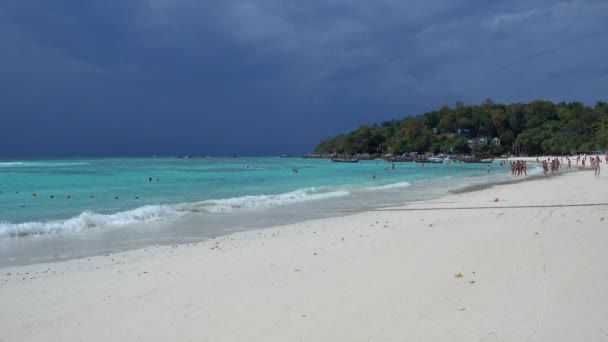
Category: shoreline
[57,247]
[494,274]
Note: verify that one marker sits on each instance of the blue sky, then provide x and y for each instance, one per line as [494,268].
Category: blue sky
[223,77]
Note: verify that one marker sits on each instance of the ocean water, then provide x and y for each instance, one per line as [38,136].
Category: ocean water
[68,208]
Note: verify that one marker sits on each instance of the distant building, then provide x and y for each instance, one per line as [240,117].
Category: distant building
[496,141]
[463,131]
[479,141]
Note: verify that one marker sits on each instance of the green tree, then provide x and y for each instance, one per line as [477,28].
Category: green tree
[531,140]
[534,128]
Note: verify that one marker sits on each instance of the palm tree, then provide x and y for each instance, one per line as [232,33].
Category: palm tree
[601,133]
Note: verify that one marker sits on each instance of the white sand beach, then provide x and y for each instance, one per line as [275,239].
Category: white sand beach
[531,267]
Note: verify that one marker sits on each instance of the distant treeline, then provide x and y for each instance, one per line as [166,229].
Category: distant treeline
[539,127]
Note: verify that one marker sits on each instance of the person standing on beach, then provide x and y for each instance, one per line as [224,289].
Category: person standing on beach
[569,168]
[583,162]
[519,167]
[597,166]
[524,167]
[545,167]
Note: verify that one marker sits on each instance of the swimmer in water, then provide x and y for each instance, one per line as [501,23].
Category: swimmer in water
[150,179]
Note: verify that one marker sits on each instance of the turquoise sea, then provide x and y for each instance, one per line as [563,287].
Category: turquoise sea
[74,207]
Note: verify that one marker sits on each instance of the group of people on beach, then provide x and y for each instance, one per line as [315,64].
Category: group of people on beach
[555,163]
[594,161]
[519,167]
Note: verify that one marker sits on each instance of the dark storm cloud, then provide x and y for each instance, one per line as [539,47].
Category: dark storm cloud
[269,76]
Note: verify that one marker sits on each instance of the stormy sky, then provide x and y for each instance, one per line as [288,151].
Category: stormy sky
[265,77]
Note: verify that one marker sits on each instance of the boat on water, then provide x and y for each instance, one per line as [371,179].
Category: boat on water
[477,161]
[432,160]
[402,159]
[344,160]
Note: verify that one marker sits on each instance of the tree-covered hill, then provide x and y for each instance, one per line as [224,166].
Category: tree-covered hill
[538,127]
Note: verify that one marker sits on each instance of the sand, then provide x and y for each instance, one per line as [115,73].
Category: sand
[531,267]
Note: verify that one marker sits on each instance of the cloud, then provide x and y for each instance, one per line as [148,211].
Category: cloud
[336,64]
[512,18]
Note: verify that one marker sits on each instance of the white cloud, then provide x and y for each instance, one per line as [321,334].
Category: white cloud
[513,18]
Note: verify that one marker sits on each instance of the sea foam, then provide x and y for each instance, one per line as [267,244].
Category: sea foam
[261,201]
[391,186]
[41,164]
[10,164]
[88,220]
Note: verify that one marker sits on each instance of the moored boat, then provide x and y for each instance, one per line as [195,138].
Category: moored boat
[433,160]
[400,159]
[477,160]
[344,160]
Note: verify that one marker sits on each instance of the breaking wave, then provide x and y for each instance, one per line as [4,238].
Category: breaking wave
[260,201]
[88,220]
[391,186]
[10,164]
[41,164]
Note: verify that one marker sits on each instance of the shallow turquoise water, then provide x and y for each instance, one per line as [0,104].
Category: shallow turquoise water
[194,199]
[122,193]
